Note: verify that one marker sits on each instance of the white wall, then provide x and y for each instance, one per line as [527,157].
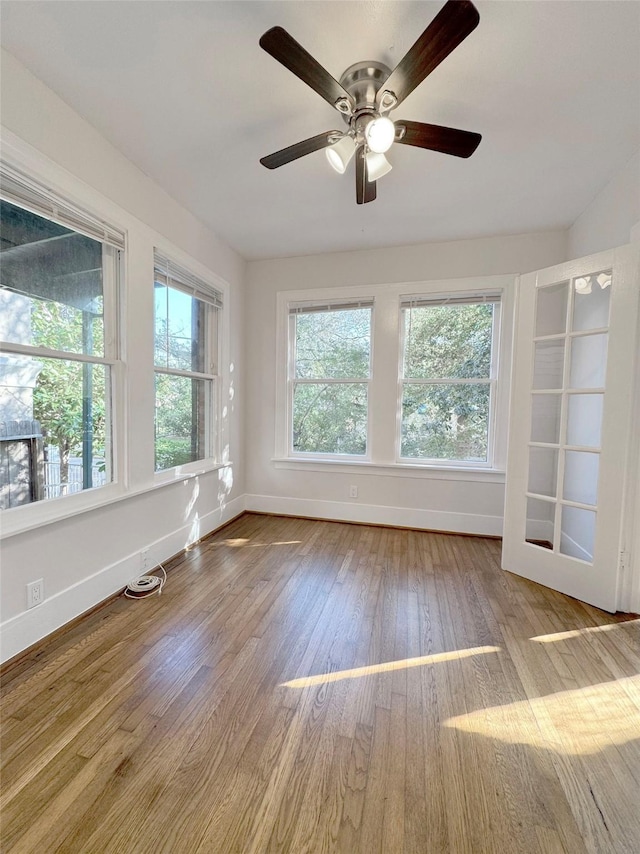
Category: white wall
[86,557]
[424,500]
[607,222]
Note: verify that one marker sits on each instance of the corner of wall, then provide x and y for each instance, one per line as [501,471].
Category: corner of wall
[612,217]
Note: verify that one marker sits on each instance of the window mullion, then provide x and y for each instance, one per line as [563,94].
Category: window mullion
[8,347]
[449,381]
[177,372]
[330,380]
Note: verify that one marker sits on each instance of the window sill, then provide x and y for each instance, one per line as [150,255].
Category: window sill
[19,520]
[177,473]
[430,472]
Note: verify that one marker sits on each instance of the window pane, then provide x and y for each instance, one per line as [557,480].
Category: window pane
[161,325]
[54,436]
[180,330]
[551,309]
[589,361]
[540,523]
[333,344]
[51,293]
[584,423]
[578,534]
[448,341]
[591,301]
[581,477]
[446,422]
[330,418]
[543,471]
[545,418]
[182,414]
[548,364]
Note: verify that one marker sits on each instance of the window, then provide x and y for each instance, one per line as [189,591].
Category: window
[449,363]
[329,375]
[186,366]
[58,292]
[411,387]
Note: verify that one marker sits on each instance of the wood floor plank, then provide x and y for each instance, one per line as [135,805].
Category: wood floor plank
[311,687]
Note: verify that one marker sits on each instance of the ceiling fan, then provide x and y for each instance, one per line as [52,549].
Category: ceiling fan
[367,92]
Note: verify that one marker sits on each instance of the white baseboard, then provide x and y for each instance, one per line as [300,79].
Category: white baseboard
[374,514]
[25,629]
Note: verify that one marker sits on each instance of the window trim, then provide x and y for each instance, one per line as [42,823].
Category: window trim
[381,440]
[113,240]
[179,277]
[423,301]
[294,309]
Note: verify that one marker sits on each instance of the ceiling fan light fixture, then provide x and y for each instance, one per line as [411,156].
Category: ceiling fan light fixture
[341,153]
[367,91]
[379,134]
[582,285]
[377,165]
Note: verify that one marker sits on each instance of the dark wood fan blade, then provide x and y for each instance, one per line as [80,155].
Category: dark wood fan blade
[365,189]
[460,143]
[451,25]
[293,152]
[283,47]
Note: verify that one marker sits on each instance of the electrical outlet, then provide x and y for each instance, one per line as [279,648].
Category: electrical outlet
[35,593]
[144,559]
[353,491]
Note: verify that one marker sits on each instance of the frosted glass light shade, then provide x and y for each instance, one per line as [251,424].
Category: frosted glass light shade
[583,285]
[377,165]
[341,153]
[380,134]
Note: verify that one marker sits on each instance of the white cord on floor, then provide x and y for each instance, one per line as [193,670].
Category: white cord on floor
[146,585]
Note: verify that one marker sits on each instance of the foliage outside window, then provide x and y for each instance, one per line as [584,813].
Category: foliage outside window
[57,325]
[186,356]
[448,378]
[329,378]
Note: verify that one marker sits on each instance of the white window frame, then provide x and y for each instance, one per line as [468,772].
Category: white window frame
[433,300]
[180,277]
[24,189]
[333,305]
[386,373]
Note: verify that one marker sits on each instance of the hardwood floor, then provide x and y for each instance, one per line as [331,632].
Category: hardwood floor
[311,686]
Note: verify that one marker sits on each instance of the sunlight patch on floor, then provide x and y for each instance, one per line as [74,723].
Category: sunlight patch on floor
[243,542]
[387,667]
[576,722]
[576,633]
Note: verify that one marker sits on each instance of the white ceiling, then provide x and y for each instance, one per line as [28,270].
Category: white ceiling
[186,93]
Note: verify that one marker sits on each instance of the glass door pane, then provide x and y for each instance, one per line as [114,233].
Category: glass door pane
[551,309]
[592,296]
[570,354]
[545,418]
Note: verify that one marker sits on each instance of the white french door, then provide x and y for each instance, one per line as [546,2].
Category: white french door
[570,424]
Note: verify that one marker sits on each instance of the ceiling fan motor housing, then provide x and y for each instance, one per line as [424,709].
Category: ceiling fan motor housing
[362,80]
